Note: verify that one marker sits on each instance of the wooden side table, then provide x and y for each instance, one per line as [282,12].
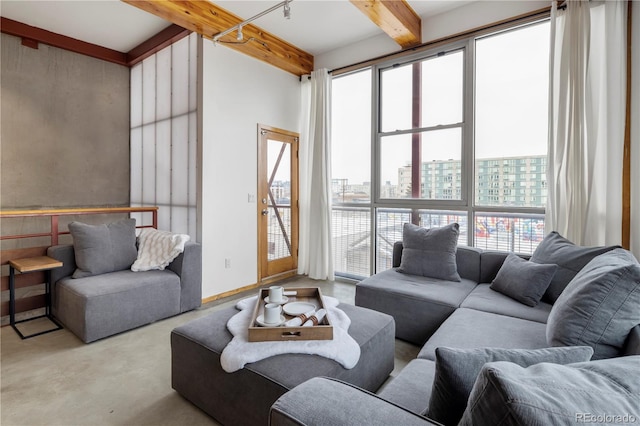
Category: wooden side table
[25,265]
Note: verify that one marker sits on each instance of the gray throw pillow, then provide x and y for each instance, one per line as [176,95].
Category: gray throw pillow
[596,392]
[100,249]
[570,258]
[430,252]
[522,280]
[600,306]
[457,370]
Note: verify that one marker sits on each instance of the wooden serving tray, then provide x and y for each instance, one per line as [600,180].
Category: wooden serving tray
[323,331]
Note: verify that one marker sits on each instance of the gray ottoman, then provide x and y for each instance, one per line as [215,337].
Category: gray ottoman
[245,396]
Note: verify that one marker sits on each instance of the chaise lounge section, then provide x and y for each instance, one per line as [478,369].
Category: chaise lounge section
[471,318]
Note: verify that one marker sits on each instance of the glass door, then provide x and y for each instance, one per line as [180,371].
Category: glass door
[277,203]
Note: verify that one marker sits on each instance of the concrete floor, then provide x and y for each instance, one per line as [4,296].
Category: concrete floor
[55,379]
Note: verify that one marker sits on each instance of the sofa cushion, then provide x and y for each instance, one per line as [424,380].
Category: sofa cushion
[408,388]
[555,249]
[457,370]
[600,306]
[100,249]
[482,298]
[467,261]
[336,403]
[468,328]
[522,280]
[418,304]
[632,344]
[156,249]
[102,305]
[601,392]
[430,252]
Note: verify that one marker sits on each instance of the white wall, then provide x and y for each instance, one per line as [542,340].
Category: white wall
[455,21]
[635,132]
[238,93]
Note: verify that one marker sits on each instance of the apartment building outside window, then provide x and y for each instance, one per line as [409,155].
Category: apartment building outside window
[457,134]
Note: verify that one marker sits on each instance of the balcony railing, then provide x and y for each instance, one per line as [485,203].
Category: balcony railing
[519,233]
[351,235]
[351,232]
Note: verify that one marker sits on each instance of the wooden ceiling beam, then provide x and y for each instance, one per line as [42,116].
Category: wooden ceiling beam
[394,17]
[207,19]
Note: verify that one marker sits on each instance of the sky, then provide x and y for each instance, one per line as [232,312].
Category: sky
[511,101]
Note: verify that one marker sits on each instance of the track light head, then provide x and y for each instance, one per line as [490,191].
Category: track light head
[287,10]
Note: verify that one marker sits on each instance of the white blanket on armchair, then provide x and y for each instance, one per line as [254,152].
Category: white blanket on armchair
[342,349]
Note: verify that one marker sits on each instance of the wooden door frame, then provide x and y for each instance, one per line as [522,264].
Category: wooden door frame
[262,277]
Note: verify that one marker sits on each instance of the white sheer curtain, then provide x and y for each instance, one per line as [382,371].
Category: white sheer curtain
[315,252]
[586,121]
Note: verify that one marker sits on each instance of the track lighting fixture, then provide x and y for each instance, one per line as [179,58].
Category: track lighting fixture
[285,8]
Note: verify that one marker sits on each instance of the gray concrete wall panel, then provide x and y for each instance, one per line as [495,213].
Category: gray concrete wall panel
[64,129]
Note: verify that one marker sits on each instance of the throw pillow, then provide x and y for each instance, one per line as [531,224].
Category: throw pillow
[100,249]
[570,259]
[600,306]
[430,252]
[522,280]
[602,392]
[156,249]
[457,370]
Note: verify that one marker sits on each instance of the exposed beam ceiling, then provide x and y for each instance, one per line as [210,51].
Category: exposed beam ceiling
[31,36]
[208,19]
[394,17]
[164,38]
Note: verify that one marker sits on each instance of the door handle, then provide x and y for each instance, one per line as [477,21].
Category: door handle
[265,212]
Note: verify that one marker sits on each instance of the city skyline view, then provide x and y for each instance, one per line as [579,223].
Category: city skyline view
[510,179]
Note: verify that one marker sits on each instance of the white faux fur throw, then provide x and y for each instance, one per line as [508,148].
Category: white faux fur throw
[156,249]
[342,349]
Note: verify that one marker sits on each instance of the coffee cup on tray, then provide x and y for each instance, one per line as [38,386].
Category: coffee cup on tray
[272,313]
[275,294]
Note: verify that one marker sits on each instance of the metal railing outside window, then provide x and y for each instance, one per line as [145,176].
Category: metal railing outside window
[351,235]
[514,232]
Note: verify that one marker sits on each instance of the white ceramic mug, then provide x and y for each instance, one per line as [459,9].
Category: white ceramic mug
[275,294]
[272,313]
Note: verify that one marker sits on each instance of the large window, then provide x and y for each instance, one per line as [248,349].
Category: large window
[351,173]
[511,98]
[460,135]
[421,133]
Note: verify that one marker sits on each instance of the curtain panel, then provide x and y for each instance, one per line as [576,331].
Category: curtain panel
[315,256]
[587,121]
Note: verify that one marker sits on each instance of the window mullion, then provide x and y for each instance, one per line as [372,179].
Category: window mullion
[468,140]
[375,167]
[416,138]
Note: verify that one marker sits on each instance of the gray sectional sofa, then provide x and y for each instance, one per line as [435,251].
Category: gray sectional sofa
[472,319]
[101,295]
